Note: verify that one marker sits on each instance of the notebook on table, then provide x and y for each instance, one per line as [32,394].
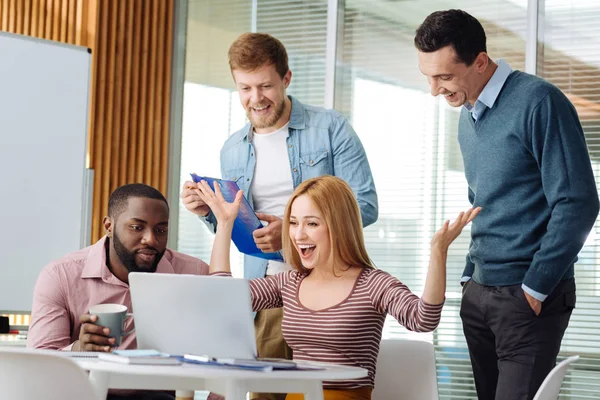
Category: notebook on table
[78,354]
[139,357]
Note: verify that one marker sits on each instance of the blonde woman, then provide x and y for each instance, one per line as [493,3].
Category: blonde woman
[334,300]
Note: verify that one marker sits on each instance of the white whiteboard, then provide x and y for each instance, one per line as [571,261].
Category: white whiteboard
[44,206]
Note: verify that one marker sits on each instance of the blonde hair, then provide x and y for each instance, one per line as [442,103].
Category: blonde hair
[335,200]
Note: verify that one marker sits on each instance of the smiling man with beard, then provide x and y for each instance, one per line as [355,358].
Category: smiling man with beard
[284,144]
[527,165]
[136,241]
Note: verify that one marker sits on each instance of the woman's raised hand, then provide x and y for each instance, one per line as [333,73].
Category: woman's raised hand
[450,231]
[224,211]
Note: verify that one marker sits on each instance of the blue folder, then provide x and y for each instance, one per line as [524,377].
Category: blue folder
[245,223]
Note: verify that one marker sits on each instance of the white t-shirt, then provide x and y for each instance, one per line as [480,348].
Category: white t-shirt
[272,184]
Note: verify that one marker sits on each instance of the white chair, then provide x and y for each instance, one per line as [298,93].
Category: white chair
[550,388]
[31,375]
[406,371]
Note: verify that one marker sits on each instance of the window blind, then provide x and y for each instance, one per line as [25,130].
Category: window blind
[211,107]
[302,28]
[411,141]
[569,57]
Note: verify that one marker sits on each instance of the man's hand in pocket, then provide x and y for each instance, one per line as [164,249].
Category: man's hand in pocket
[534,303]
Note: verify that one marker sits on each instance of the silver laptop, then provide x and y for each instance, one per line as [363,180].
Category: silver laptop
[192,314]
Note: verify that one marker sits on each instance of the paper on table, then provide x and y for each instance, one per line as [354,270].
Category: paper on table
[258,364]
[147,357]
[205,360]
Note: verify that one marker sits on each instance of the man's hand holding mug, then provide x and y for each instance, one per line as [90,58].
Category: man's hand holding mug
[102,328]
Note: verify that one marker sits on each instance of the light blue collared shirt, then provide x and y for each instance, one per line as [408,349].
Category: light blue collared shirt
[490,92]
[320,142]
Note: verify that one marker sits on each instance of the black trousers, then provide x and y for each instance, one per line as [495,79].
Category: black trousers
[511,349]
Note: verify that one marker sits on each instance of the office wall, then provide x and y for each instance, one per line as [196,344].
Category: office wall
[132,98]
[131,44]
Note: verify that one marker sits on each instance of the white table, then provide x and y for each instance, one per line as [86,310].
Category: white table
[233,383]
[12,341]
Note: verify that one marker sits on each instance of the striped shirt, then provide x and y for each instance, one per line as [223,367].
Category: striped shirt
[347,333]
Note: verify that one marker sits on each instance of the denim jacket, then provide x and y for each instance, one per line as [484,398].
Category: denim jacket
[320,142]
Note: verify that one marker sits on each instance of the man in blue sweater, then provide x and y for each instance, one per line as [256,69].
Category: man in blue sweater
[527,166]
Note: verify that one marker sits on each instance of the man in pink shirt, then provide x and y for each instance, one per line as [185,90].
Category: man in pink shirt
[135,241]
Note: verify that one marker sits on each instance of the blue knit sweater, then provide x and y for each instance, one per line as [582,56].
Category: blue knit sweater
[527,166]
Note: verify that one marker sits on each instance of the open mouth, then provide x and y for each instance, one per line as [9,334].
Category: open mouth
[450,96]
[306,249]
[261,109]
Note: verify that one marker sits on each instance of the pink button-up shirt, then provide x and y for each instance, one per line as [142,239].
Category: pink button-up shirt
[68,287]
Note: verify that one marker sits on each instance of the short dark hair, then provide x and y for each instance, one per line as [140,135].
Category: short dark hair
[118,201]
[251,51]
[455,28]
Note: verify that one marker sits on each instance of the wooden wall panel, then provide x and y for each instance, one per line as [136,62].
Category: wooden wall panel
[135,74]
[67,21]
[130,141]
[131,42]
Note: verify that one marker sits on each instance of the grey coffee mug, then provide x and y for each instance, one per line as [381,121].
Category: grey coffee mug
[113,317]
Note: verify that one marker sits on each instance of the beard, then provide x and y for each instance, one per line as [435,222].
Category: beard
[128,257]
[268,120]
